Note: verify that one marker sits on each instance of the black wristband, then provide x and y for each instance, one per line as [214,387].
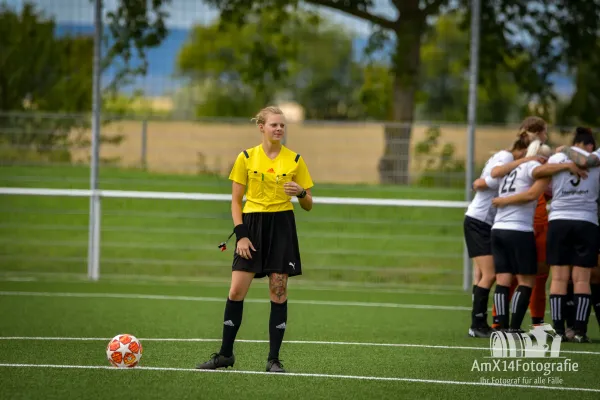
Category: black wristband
[302,195]
[241,231]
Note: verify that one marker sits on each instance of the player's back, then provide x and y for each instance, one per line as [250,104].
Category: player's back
[517,216]
[481,206]
[574,198]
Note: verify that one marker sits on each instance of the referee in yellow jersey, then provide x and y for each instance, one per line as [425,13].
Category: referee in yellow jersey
[265,229]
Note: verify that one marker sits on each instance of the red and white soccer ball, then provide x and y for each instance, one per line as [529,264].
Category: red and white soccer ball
[124,351]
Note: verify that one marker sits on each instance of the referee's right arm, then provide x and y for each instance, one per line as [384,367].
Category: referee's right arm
[237,195]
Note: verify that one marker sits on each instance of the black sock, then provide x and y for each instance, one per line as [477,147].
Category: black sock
[520,304]
[537,321]
[277,323]
[596,300]
[473,294]
[480,305]
[569,307]
[501,302]
[582,312]
[557,309]
[231,324]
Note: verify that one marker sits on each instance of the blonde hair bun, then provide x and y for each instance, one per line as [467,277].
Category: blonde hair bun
[261,117]
[545,151]
[536,148]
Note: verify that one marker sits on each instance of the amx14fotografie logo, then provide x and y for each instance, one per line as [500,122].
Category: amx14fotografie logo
[536,351]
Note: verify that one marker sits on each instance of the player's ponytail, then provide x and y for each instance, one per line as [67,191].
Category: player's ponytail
[523,141]
[536,148]
[533,148]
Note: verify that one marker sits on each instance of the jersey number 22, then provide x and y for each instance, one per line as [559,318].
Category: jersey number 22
[510,181]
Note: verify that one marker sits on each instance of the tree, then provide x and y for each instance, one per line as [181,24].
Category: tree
[554,33]
[582,108]
[133,27]
[312,66]
[41,71]
[444,83]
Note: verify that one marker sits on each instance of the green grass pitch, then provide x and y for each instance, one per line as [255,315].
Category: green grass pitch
[330,347]
[361,244]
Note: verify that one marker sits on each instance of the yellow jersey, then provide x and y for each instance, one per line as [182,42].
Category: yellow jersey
[264,178]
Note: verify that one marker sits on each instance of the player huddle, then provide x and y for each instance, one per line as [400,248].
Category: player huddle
[516,242]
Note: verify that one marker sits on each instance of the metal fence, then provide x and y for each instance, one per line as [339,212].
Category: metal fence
[156,222]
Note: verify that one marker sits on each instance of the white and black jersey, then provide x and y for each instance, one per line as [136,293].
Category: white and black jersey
[513,240]
[573,219]
[481,207]
[480,214]
[574,198]
[518,217]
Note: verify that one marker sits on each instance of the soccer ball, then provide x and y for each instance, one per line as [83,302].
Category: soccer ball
[124,351]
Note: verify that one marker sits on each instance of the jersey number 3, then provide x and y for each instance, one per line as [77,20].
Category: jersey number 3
[510,181]
[575,181]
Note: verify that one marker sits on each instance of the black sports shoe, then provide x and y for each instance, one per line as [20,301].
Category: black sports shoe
[481,332]
[581,338]
[275,365]
[217,361]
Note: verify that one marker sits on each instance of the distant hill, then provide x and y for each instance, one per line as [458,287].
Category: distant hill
[162,61]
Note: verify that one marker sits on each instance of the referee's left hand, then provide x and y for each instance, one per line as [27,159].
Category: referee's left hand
[292,188]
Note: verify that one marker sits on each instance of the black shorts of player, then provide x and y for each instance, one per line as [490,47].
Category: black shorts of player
[599,238]
[514,252]
[274,236]
[477,237]
[573,243]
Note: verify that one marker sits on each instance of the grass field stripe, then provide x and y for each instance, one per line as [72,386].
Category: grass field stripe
[316,342]
[308,375]
[60,277]
[220,300]
[296,287]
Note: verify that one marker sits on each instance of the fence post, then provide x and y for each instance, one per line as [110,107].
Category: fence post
[94,221]
[472,115]
[144,155]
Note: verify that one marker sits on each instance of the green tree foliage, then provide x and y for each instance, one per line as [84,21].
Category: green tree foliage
[43,73]
[376,92]
[445,85]
[583,108]
[37,69]
[308,64]
[40,72]
[133,27]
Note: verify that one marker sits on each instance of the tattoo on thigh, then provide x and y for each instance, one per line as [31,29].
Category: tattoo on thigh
[278,285]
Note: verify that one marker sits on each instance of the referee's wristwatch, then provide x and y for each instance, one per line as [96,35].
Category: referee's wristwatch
[302,195]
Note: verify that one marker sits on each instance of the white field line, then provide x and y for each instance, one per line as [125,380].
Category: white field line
[306,342]
[306,375]
[220,300]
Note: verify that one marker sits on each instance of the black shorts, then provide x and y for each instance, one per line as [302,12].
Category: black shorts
[477,237]
[514,252]
[573,243]
[274,236]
